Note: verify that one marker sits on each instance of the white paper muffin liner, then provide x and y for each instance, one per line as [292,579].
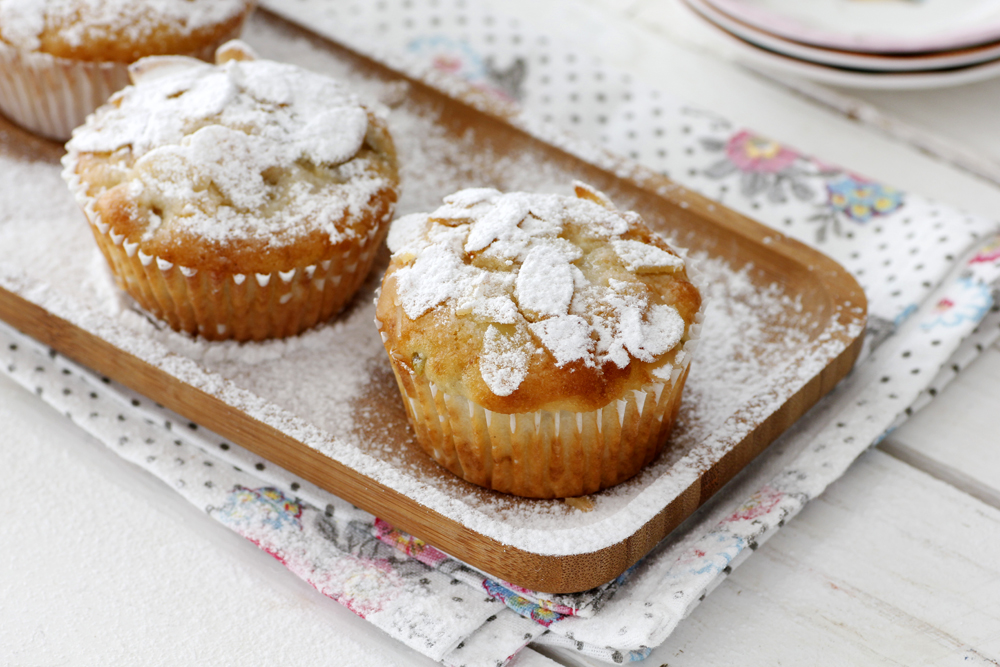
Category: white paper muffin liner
[50,96]
[545,453]
[221,306]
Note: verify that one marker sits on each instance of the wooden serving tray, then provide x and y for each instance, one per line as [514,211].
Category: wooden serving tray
[544,545]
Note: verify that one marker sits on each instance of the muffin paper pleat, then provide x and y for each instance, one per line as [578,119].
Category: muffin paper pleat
[219,306]
[545,453]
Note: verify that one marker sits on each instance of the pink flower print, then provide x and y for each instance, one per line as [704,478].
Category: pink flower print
[968,302]
[751,152]
[450,55]
[763,166]
[363,585]
[411,546]
[759,504]
[265,516]
[944,305]
[458,58]
[447,63]
[366,591]
[988,253]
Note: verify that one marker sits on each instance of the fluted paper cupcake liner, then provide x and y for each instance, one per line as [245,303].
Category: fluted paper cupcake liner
[50,96]
[546,453]
[221,305]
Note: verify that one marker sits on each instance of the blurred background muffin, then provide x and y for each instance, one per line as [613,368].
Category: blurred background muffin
[61,59]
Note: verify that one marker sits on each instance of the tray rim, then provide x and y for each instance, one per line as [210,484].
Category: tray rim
[555,574]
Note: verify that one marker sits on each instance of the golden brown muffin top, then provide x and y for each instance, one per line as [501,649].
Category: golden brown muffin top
[117,30]
[522,301]
[226,167]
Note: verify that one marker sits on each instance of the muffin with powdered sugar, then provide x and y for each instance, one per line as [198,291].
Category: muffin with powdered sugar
[61,59]
[243,200]
[540,342]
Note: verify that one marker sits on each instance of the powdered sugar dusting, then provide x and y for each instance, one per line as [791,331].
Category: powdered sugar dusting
[545,281]
[645,258]
[469,197]
[498,223]
[662,332]
[511,256]
[436,278]
[567,336]
[504,362]
[194,129]
[281,104]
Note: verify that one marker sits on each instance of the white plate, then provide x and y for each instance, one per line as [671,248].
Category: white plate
[847,59]
[873,26]
[768,60]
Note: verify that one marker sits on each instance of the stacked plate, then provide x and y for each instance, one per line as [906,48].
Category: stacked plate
[865,43]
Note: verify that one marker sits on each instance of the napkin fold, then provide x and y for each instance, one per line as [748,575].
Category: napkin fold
[928,270]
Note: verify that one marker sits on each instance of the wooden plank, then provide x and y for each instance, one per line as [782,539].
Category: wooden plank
[957,438]
[529,657]
[888,567]
[106,565]
[966,120]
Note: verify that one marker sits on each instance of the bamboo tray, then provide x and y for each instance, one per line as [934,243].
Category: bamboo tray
[548,546]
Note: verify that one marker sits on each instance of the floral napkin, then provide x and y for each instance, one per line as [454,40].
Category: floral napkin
[928,270]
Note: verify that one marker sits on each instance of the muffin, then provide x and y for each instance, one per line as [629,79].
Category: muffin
[61,59]
[243,200]
[540,342]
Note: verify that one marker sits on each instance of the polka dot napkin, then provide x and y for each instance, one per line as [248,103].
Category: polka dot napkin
[928,270]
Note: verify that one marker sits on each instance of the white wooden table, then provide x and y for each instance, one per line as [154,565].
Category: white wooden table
[895,564]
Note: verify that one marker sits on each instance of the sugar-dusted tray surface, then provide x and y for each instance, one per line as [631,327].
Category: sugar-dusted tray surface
[332,389]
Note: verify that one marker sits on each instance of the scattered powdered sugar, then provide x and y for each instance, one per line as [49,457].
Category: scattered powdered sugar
[23,21]
[332,388]
[499,221]
[511,256]
[752,334]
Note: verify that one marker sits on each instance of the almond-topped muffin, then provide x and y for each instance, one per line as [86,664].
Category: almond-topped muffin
[242,200]
[61,59]
[541,342]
